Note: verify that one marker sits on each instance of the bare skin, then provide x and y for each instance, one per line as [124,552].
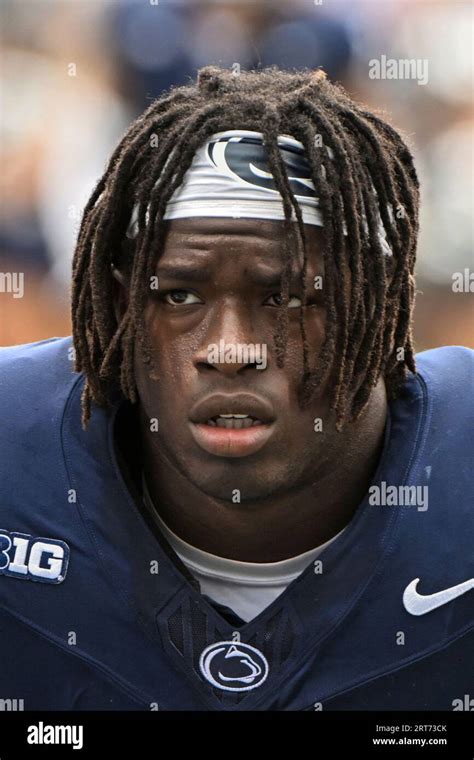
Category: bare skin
[251,496]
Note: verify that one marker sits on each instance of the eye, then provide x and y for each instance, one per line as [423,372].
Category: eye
[180,298]
[293,303]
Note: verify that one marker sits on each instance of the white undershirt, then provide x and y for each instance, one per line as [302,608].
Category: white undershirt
[245,587]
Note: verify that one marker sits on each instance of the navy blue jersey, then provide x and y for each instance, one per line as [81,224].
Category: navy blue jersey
[98,613]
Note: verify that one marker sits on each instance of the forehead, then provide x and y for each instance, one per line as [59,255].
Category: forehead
[204,240]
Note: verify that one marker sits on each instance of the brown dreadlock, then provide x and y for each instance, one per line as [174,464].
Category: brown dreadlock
[368,323]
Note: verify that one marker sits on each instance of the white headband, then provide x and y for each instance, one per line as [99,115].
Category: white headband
[230,177]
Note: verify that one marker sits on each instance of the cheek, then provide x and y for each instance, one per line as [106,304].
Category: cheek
[319,408]
[163,388]
[314,331]
[171,348]
[315,324]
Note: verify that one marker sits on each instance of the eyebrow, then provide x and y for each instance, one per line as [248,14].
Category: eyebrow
[265,277]
[183,272]
[272,278]
[268,279]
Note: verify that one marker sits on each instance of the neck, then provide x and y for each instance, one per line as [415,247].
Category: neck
[283,525]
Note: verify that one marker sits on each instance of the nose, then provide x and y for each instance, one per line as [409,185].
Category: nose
[229,345]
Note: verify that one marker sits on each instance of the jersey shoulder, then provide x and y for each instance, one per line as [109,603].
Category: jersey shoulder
[35,381]
[447,375]
[447,370]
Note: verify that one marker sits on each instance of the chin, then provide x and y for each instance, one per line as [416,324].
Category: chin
[237,487]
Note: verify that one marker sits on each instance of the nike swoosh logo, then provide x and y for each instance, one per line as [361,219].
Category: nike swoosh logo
[416,604]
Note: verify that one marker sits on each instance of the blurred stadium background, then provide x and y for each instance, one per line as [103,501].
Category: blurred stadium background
[76,72]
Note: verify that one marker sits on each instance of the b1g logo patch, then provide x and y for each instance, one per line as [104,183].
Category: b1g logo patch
[33,559]
[233,666]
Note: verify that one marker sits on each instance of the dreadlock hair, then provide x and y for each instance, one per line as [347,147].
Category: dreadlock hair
[369,178]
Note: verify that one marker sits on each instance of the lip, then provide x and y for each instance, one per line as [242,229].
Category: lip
[229,442]
[232,403]
[225,442]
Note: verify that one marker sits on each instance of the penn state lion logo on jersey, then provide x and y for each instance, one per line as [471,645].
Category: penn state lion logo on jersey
[233,666]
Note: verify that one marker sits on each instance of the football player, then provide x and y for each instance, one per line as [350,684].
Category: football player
[235,487]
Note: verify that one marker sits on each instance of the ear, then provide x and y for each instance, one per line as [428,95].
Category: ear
[120,285]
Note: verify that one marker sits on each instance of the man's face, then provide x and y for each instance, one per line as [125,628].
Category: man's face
[216,304]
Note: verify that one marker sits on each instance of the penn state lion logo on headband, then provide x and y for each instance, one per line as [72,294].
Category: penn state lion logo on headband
[242,155]
[230,177]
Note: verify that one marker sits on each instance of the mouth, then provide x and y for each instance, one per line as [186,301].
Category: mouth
[232,426]
[233,421]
